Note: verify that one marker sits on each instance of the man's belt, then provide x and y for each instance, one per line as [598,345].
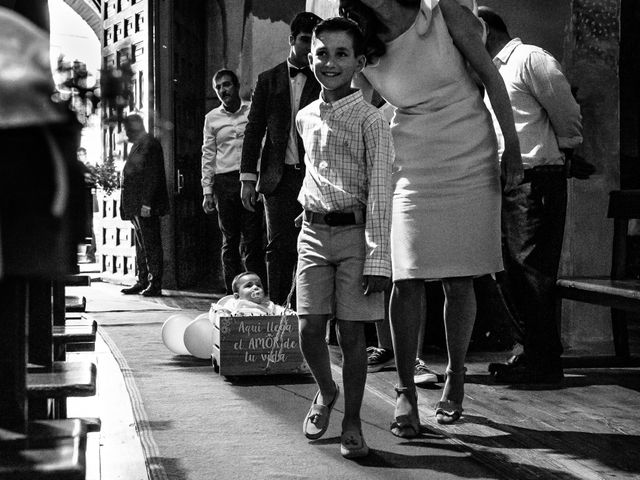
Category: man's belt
[335,219]
[541,170]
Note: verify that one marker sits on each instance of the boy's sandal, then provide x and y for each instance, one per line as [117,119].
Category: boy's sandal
[352,444]
[317,420]
[448,411]
[404,426]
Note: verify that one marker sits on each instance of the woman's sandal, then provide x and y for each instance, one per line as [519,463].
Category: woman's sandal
[317,420]
[404,426]
[352,444]
[448,411]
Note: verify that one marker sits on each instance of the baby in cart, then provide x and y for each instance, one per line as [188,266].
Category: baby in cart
[248,299]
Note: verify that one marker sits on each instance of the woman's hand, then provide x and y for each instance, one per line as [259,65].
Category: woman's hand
[512,172]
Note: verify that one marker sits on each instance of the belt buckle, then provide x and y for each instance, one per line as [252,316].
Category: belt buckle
[330,219]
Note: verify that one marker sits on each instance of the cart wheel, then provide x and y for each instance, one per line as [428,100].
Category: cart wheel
[216,367]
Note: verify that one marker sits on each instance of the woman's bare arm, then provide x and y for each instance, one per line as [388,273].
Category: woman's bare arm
[466,31]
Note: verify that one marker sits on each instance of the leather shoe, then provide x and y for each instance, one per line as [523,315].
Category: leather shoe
[522,374]
[133,289]
[514,360]
[152,291]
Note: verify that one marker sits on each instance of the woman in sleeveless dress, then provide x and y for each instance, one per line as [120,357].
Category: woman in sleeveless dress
[446,203]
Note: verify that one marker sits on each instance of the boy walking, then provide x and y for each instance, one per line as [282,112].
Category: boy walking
[344,262]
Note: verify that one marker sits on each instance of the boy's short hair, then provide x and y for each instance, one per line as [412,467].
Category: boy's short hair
[304,22]
[340,24]
[235,284]
[226,73]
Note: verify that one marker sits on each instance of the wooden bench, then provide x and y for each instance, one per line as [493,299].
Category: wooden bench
[49,449]
[620,291]
[75,336]
[40,449]
[50,380]
[78,280]
[75,303]
[61,380]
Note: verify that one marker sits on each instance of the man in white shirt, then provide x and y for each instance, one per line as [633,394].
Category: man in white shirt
[223,135]
[549,127]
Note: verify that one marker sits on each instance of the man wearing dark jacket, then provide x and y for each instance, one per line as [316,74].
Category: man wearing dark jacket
[278,95]
[144,199]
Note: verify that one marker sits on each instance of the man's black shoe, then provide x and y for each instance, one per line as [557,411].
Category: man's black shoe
[515,360]
[133,289]
[521,374]
[152,291]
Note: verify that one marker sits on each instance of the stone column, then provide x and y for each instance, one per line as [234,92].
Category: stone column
[591,64]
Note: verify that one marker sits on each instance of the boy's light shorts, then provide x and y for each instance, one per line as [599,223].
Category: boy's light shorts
[329,276]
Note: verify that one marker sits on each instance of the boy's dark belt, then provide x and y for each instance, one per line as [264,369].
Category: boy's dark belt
[335,219]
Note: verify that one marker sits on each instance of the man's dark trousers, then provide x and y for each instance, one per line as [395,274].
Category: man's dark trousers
[533,218]
[282,208]
[242,230]
[149,257]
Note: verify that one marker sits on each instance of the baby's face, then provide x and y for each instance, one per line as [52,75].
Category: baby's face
[250,289]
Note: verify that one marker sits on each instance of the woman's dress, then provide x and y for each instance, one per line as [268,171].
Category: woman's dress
[446,202]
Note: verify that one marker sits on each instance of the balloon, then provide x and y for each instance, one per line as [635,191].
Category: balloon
[203,315]
[198,337]
[173,333]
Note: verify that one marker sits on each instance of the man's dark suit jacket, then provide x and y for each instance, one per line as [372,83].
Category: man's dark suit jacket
[271,113]
[143,179]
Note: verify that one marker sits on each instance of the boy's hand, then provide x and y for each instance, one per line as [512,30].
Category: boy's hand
[375,283]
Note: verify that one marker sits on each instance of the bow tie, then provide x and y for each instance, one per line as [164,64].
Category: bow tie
[293,71]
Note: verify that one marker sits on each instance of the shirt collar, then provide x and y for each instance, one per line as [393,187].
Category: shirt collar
[243,106]
[291,65]
[504,54]
[343,103]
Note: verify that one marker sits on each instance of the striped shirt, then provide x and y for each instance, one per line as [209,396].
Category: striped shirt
[349,155]
[546,115]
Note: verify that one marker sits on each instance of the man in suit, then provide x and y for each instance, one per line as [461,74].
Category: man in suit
[144,199]
[279,93]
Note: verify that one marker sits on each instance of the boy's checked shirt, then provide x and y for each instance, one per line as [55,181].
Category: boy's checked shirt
[349,156]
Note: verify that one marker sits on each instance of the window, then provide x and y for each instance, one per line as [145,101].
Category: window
[128,27]
[140,90]
[117,32]
[139,21]
[137,51]
[108,37]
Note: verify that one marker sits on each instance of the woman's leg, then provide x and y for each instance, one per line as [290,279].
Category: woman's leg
[407,308]
[459,315]
[354,371]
